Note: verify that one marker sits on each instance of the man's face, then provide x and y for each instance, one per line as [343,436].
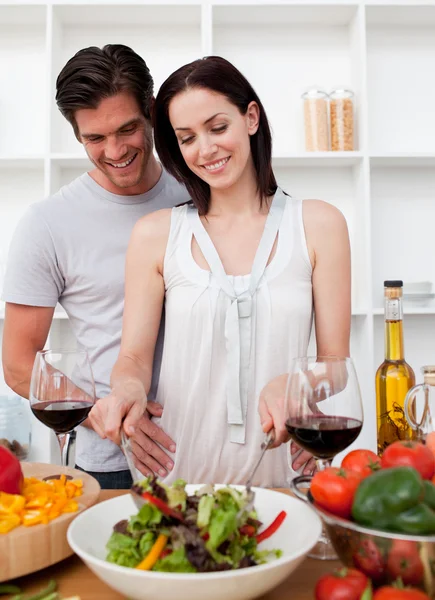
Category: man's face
[118,140]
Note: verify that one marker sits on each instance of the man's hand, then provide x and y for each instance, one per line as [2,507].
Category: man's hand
[148,457]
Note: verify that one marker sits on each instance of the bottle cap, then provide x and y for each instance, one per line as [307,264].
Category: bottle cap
[393,283]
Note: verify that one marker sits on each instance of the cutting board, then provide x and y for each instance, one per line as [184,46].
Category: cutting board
[27,549]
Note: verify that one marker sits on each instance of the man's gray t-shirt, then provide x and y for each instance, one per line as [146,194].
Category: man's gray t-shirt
[70,248]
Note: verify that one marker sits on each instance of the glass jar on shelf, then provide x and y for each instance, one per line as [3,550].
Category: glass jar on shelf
[15,426]
[316,120]
[341,107]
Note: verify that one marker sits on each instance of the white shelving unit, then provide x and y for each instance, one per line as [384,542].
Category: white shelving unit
[383,50]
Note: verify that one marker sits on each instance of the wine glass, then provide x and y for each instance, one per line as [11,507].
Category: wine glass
[324,414]
[62,392]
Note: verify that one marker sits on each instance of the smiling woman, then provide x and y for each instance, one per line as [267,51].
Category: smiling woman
[240,270]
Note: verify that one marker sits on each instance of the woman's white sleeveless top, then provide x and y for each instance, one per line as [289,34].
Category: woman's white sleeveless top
[226,337]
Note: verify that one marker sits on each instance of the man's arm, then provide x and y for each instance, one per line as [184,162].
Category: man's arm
[25,332]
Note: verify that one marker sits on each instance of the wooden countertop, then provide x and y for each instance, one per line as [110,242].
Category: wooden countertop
[75,579]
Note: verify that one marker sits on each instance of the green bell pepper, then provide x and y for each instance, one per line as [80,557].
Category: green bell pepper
[418,520]
[385,494]
[429,494]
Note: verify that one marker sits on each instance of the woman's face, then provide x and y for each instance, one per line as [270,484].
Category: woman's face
[213,135]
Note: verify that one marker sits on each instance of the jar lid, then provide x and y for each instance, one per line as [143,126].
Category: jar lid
[314,93]
[341,92]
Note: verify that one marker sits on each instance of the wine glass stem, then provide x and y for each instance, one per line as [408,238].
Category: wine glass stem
[323,463]
[64,442]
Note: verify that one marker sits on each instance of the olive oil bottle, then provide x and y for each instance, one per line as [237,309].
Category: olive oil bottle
[394,376]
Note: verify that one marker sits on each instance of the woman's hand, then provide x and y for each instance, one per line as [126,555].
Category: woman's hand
[124,406]
[272,411]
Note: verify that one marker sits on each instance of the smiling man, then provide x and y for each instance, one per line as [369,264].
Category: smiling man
[70,248]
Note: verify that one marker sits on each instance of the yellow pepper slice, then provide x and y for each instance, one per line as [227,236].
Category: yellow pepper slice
[151,558]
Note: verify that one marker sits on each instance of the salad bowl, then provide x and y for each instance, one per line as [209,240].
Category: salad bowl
[90,532]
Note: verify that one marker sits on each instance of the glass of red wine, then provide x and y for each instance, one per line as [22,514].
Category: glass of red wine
[324,414]
[62,392]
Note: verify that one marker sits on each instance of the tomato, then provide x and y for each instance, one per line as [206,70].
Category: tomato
[369,559]
[392,593]
[404,561]
[362,461]
[342,584]
[11,475]
[334,490]
[410,454]
[430,441]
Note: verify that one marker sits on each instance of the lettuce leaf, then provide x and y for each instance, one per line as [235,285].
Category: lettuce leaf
[147,516]
[176,562]
[123,550]
[205,508]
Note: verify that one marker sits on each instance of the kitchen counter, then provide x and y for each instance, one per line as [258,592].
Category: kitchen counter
[75,579]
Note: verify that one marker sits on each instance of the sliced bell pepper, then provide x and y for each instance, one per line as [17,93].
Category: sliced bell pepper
[163,507]
[272,527]
[153,555]
[248,530]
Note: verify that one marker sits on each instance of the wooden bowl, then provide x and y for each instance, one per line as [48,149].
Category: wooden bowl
[27,549]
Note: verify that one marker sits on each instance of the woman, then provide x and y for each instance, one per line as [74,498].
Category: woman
[240,270]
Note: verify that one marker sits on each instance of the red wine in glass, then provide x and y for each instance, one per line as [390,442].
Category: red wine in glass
[323,414]
[62,416]
[322,435]
[62,392]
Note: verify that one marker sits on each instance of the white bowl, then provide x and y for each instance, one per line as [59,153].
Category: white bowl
[90,531]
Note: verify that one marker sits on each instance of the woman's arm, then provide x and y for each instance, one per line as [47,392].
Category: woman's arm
[329,250]
[328,245]
[144,295]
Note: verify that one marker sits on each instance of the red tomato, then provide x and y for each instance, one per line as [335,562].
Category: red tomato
[370,560]
[404,561]
[342,584]
[410,454]
[334,490]
[364,462]
[392,593]
[11,475]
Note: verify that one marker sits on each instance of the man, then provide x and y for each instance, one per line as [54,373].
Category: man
[70,248]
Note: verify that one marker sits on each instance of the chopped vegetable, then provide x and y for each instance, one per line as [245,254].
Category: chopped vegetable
[11,475]
[272,527]
[39,502]
[150,560]
[6,588]
[162,506]
[211,530]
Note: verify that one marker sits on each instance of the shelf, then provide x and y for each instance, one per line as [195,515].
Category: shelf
[283,13]
[400,53]
[403,213]
[318,159]
[402,12]
[295,48]
[402,159]
[23,75]
[21,162]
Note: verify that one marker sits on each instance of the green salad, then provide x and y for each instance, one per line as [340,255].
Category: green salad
[179,533]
